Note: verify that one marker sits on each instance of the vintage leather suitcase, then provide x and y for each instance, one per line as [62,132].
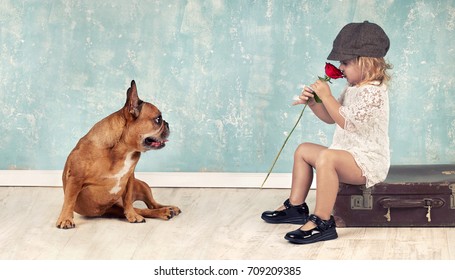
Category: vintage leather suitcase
[411,196]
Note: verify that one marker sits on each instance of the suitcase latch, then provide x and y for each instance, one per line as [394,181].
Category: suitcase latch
[362,202]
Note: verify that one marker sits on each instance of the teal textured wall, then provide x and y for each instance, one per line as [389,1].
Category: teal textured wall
[223,72]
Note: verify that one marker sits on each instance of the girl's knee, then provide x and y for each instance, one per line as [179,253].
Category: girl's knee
[326,158]
[308,152]
[302,149]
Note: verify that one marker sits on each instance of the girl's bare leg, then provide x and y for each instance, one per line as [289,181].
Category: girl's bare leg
[332,166]
[305,157]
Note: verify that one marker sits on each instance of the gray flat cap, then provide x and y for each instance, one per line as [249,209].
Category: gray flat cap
[359,39]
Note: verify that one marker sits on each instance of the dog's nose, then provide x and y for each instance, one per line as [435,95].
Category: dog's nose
[166,124]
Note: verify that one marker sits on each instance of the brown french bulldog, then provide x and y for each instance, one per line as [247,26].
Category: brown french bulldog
[98,178]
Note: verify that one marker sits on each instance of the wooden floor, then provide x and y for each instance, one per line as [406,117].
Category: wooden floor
[216,224]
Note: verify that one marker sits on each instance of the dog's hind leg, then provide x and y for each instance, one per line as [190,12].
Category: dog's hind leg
[143,192]
[164,213]
[119,212]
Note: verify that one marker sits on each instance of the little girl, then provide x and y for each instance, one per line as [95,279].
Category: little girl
[359,153]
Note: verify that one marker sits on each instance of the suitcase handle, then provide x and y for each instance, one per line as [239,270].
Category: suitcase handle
[428,203]
[411,203]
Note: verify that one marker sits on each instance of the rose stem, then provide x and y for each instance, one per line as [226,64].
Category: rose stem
[284,144]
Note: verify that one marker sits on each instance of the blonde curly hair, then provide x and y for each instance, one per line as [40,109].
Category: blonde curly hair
[374,69]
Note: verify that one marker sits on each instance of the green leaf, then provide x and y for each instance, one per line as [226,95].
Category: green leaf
[326,78]
[316,98]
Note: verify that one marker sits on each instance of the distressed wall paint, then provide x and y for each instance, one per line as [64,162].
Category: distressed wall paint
[223,72]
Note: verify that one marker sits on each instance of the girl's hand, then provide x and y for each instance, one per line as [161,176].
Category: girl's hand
[322,89]
[306,97]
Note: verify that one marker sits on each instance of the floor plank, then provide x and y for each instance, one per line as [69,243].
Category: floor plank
[216,224]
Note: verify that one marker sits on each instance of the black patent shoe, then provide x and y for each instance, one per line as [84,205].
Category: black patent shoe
[324,230]
[291,214]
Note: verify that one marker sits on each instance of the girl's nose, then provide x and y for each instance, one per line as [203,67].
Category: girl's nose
[342,67]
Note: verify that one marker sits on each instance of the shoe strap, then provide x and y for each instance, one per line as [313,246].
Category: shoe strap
[321,224]
[287,204]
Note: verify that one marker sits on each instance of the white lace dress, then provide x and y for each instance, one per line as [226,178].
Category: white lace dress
[365,133]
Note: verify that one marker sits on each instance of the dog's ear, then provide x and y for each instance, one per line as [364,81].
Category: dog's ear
[133,103]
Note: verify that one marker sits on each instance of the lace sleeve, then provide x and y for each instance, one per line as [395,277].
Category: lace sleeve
[363,107]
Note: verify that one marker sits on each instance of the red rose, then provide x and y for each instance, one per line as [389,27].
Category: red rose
[332,72]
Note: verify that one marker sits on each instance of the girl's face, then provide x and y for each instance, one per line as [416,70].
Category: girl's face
[351,71]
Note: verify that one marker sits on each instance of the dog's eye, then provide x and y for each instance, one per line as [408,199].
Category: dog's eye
[159,120]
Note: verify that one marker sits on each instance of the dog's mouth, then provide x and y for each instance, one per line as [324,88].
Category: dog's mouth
[153,143]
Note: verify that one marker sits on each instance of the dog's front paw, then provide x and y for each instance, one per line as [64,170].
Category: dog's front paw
[66,223]
[135,218]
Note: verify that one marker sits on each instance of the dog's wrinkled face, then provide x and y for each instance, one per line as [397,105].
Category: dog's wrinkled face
[154,129]
[147,130]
